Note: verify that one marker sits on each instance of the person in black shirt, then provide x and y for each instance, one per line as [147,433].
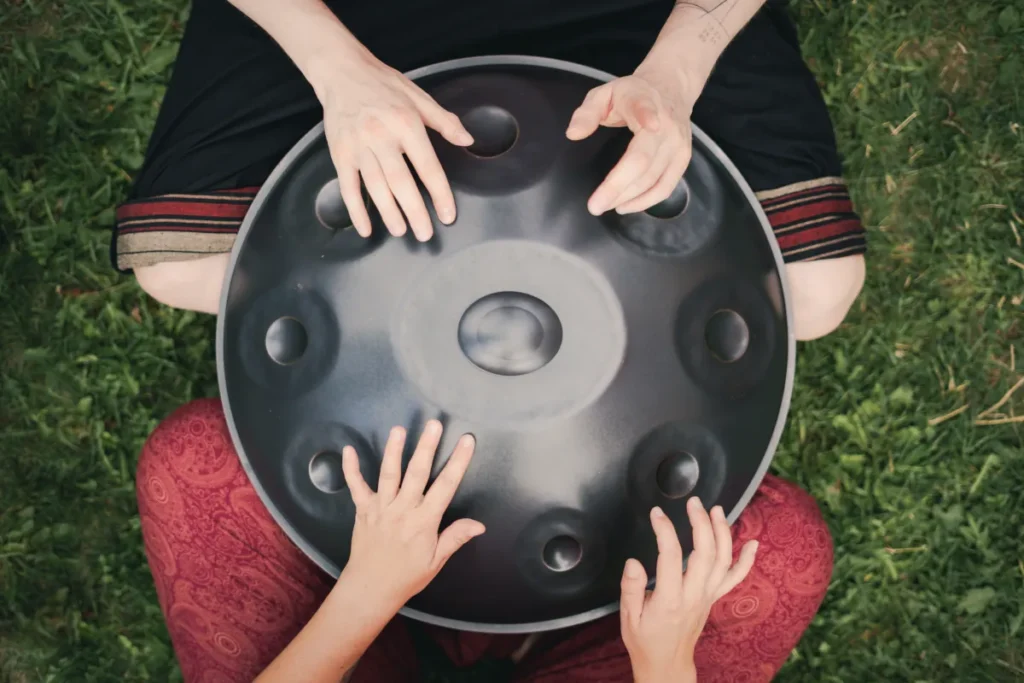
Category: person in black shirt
[253,76]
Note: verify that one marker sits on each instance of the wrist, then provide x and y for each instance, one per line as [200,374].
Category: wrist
[366,595]
[682,673]
[330,52]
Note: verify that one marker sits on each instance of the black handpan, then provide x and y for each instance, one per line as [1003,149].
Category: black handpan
[605,364]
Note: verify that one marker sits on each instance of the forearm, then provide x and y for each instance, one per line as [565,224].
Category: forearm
[329,646]
[308,32]
[695,35]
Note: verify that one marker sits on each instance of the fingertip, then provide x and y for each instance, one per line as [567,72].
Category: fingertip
[467,441]
[433,428]
[754,545]
[633,570]
[446,215]
[657,513]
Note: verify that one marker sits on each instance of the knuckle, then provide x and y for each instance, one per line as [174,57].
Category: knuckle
[374,127]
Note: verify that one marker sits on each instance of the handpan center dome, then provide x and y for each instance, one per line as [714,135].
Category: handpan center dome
[510,333]
[604,364]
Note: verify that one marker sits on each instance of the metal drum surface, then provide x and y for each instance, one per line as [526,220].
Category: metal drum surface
[604,364]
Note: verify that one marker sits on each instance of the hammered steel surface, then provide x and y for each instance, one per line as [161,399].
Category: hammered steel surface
[604,364]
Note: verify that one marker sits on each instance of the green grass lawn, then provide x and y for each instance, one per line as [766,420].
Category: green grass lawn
[923,489]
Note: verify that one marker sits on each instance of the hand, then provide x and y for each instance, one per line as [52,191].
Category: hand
[373,115]
[396,549]
[656,106]
[660,628]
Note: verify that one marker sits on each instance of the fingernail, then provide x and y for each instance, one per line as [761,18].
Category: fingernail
[396,432]
[465,138]
[433,427]
[633,569]
[717,510]
[467,440]
[447,215]
[696,501]
[596,208]
[657,512]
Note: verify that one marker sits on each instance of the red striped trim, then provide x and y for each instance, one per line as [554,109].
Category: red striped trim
[178,227]
[808,211]
[818,222]
[802,238]
[182,210]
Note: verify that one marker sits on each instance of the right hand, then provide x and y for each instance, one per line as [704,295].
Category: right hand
[660,627]
[396,547]
[373,115]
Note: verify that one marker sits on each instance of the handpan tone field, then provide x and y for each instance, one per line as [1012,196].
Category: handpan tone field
[604,364]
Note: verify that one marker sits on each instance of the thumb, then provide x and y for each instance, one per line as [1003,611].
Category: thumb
[589,115]
[640,112]
[454,537]
[634,592]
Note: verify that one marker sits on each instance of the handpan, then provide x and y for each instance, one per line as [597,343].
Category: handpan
[604,364]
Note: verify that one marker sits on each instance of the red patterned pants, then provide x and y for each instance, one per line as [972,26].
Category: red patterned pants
[235,591]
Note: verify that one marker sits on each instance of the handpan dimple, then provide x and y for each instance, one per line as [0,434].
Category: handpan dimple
[494,130]
[677,475]
[727,335]
[325,471]
[562,553]
[673,205]
[510,333]
[286,340]
[604,364]
[330,208]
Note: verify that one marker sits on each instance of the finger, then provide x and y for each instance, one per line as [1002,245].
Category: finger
[418,471]
[424,159]
[377,187]
[723,546]
[357,486]
[404,189]
[740,570]
[391,466]
[637,159]
[647,180]
[701,560]
[634,591]
[662,189]
[454,537]
[668,586]
[352,195]
[588,116]
[440,119]
[442,491]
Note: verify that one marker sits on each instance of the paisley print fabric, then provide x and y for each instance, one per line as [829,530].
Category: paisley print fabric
[234,590]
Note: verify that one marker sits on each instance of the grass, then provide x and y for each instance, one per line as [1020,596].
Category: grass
[923,489]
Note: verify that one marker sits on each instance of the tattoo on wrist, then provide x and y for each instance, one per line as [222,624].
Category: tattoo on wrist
[718,10]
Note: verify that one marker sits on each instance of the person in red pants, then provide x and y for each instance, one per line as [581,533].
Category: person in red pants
[242,603]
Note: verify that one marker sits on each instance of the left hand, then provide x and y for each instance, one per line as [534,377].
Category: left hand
[660,629]
[396,549]
[656,106]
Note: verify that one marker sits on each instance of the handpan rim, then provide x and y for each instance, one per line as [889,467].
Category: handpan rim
[301,147]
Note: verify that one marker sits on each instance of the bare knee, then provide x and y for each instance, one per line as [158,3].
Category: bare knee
[822,293]
[191,285]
